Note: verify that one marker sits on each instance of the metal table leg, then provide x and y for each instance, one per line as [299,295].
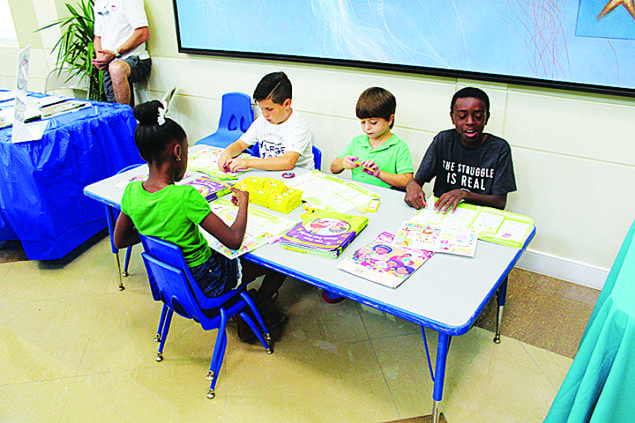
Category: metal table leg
[502,294]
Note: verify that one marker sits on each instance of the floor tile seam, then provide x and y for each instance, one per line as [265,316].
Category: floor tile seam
[538,366]
[28,382]
[90,333]
[53,298]
[385,379]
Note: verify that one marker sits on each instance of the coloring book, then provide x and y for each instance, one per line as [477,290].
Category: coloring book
[382,262]
[208,187]
[324,233]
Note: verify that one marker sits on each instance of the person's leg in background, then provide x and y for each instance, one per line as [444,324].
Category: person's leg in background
[120,76]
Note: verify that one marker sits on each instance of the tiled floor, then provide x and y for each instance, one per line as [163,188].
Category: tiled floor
[75,349]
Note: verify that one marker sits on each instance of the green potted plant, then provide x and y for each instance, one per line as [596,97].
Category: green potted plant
[75,46]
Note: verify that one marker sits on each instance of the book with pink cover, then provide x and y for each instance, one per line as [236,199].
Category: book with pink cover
[384,263]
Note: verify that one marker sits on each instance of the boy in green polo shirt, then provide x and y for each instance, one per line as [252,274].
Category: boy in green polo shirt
[378,157]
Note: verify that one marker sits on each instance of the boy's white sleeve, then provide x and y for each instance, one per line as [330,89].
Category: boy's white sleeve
[251,136]
[299,137]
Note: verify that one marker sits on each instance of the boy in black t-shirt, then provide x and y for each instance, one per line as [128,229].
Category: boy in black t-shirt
[469,165]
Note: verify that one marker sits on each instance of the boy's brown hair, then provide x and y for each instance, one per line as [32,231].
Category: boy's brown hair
[376,102]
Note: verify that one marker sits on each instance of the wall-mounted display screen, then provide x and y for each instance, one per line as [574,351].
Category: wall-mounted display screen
[584,45]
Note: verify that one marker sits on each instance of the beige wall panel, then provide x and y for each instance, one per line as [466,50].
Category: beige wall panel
[582,208]
[198,116]
[598,130]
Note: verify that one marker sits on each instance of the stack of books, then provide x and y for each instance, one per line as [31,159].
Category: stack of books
[324,233]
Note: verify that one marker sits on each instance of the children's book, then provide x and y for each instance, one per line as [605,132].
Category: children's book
[205,160]
[263,227]
[208,187]
[442,239]
[324,233]
[384,263]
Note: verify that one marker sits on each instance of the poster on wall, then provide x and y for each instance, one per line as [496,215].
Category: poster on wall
[574,44]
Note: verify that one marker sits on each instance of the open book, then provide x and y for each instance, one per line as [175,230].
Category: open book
[382,262]
[440,239]
[493,225]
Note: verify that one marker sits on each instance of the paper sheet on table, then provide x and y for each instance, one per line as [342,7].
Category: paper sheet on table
[331,192]
[263,228]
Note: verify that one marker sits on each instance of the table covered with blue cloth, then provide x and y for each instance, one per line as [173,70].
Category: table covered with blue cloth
[41,182]
[600,385]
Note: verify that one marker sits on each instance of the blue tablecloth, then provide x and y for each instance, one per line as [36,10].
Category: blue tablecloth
[41,182]
[600,385]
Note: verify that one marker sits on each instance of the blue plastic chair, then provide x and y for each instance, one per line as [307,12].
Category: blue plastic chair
[180,293]
[235,118]
[254,150]
[111,217]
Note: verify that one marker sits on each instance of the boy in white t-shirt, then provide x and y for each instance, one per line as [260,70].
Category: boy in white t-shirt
[283,137]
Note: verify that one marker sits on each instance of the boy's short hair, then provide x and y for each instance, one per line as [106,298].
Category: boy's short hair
[376,102]
[275,86]
[472,92]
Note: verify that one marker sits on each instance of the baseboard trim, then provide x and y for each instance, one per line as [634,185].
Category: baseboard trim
[568,270]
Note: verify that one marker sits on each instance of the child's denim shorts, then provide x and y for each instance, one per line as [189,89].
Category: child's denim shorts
[217,275]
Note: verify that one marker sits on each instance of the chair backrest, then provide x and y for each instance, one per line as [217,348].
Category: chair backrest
[166,265]
[254,150]
[236,113]
[317,157]
[64,79]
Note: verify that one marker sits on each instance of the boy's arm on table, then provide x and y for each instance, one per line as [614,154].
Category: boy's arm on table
[284,162]
[451,199]
[395,180]
[125,234]
[231,151]
[414,194]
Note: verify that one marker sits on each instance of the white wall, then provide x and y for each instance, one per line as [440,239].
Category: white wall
[574,153]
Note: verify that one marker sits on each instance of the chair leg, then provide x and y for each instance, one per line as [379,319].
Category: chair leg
[220,346]
[164,312]
[125,273]
[245,296]
[256,331]
[121,285]
[164,335]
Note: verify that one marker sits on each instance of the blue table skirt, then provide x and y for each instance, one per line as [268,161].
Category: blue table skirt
[42,182]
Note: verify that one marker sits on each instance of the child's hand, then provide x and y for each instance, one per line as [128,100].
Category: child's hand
[236,165]
[239,198]
[370,167]
[349,162]
[223,161]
